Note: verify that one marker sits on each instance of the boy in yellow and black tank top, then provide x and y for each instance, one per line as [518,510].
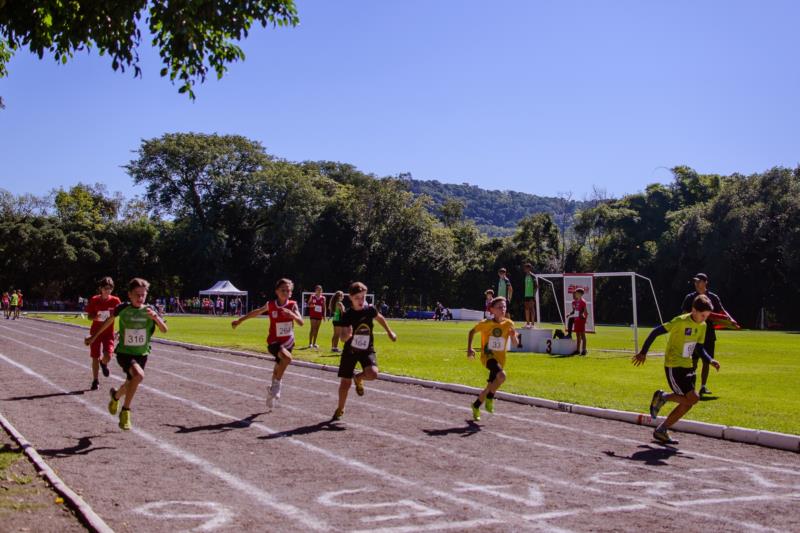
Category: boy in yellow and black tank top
[494,340]
[686,333]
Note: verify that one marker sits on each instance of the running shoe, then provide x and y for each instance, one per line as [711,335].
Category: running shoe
[657,403]
[270,400]
[104,368]
[113,405]
[125,419]
[583,352]
[95,385]
[276,388]
[663,437]
[476,413]
[489,405]
[338,414]
[704,390]
[359,386]
[335,350]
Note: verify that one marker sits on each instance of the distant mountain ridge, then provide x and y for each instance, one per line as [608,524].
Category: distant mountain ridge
[495,212]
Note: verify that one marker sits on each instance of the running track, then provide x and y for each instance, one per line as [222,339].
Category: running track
[205,456]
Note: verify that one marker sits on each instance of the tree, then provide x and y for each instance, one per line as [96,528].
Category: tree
[192,36]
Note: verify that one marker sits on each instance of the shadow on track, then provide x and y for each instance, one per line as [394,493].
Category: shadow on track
[83,447]
[43,396]
[217,428]
[465,431]
[327,425]
[650,455]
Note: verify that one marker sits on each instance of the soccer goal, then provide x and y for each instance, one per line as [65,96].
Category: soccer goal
[571,282]
[328,297]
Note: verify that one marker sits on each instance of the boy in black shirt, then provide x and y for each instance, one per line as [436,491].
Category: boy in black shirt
[358,345]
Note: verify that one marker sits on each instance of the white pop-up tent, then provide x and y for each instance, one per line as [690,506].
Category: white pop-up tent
[226,288]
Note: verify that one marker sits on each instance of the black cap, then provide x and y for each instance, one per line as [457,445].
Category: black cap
[700,276]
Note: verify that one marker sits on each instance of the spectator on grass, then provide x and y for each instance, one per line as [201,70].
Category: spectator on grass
[504,288]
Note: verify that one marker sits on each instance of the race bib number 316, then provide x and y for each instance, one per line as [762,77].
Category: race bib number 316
[135,337]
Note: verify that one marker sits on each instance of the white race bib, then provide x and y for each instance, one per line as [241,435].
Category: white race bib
[688,349]
[284,329]
[317,308]
[102,316]
[497,344]
[360,342]
[135,337]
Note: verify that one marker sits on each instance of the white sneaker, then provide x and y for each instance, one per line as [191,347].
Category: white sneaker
[270,400]
[276,389]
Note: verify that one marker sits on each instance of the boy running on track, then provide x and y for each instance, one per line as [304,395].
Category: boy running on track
[359,345]
[494,332]
[283,313]
[337,310]
[317,313]
[686,332]
[14,303]
[137,323]
[19,304]
[7,305]
[99,309]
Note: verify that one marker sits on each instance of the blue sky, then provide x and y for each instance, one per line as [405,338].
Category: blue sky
[541,97]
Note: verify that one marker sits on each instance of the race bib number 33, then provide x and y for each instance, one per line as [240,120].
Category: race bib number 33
[496,344]
[135,337]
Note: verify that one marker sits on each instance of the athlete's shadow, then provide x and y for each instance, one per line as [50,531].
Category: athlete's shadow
[43,396]
[465,431]
[327,425]
[217,428]
[705,398]
[650,455]
[83,447]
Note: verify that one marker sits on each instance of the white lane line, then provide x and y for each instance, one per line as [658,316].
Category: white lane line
[437,526]
[333,456]
[261,496]
[737,499]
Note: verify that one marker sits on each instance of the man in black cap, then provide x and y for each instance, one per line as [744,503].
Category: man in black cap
[701,287]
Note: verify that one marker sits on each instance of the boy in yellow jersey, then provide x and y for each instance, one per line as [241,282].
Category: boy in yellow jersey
[494,332]
[686,332]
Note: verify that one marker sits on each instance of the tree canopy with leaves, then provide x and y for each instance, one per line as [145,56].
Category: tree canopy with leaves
[191,36]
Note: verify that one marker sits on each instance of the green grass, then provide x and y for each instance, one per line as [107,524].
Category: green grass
[756,387]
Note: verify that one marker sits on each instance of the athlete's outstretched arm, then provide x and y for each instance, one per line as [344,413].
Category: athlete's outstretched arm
[252,314]
[382,321]
[108,323]
[640,357]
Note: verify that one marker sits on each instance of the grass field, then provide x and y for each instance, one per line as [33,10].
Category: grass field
[756,387]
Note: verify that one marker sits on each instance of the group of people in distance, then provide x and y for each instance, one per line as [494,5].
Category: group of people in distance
[12,304]
[690,339]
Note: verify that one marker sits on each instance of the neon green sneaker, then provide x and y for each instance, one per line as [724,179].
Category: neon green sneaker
[338,414]
[113,405]
[489,405]
[476,413]
[125,419]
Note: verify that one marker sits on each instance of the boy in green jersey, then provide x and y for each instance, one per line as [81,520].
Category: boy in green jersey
[137,323]
[686,332]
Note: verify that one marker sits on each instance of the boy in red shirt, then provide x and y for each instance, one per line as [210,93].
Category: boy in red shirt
[577,321]
[283,313]
[100,307]
[316,312]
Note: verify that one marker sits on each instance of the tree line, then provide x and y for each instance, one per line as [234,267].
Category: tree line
[220,207]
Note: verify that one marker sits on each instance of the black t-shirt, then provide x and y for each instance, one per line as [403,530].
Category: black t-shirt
[716,306]
[361,322]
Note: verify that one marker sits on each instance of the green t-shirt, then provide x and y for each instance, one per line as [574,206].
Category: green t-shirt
[14,300]
[502,288]
[684,335]
[530,286]
[135,329]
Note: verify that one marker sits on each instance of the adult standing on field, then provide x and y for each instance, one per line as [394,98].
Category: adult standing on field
[701,287]
[529,296]
[504,288]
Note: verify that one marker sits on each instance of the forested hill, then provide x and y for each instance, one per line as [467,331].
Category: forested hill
[495,212]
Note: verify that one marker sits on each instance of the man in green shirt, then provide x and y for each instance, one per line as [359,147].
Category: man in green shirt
[504,288]
[686,333]
[137,323]
[529,297]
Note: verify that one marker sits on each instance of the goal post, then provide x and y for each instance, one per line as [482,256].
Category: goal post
[328,297]
[586,281]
